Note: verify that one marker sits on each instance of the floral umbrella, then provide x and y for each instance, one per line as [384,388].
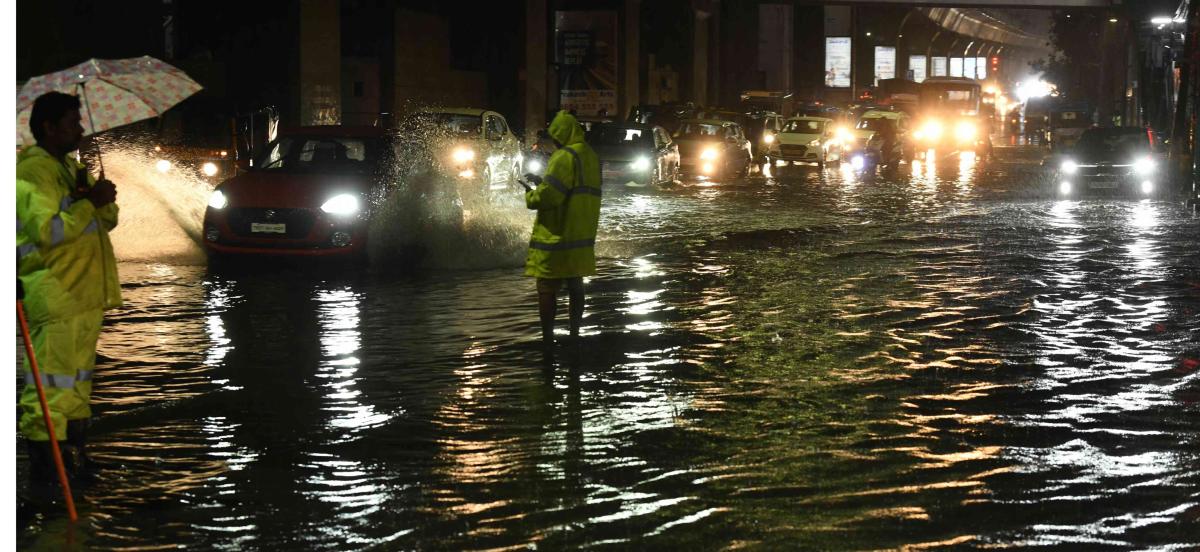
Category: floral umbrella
[115,92]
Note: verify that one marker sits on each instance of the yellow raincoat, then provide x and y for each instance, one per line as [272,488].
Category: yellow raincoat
[65,262]
[568,207]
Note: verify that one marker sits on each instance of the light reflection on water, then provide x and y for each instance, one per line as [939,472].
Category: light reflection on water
[911,359]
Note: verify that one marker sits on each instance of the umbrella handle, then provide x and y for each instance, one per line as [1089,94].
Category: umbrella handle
[99,154]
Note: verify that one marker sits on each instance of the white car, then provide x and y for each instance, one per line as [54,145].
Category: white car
[808,140]
[478,145]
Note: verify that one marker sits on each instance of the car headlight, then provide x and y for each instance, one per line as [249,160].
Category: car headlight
[768,138]
[534,166]
[640,164]
[965,131]
[932,130]
[709,154]
[1070,167]
[815,143]
[209,169]
[464,155]
[844,135]
[342,204]
[162,165]
[1144,165]
[217,200]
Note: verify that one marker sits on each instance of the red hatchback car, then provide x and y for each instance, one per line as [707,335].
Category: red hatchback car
[309,194]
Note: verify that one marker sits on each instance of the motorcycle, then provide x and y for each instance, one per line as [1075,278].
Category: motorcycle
[875,153]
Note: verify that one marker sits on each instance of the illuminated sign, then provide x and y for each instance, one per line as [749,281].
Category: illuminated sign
[968,69]
[917,69]
[885,63]
[940,67]
[981,68]
[956,67]
[837,61]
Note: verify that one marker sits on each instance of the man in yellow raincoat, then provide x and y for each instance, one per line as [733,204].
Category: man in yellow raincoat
[66,266]
[567,199]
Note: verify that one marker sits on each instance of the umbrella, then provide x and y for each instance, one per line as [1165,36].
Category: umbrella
[115,92]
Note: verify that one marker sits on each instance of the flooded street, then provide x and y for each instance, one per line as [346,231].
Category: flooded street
[946,355]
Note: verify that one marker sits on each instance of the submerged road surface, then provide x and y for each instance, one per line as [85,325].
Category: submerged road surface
[946,355]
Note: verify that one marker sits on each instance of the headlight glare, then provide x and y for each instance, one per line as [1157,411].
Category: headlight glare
[210,169]
[768,138]
[932,130]
[640,164]
[464,155]
[1070,167]
[162,165]
[708,154]
[342,204]
[534,166]
[1144,165]
[965,131]
[217,200]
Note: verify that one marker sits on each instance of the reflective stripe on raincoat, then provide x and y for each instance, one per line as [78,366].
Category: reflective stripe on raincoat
[568,207]
[64,256]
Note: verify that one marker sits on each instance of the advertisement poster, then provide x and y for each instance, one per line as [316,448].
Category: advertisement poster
[940,68]
[837,61]
[956,67]
[586,52]
[981,68]
[969,67]
[885,63]
[916,68]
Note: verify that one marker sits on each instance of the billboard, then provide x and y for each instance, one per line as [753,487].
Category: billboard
[586,52]
[956,67]
[837,61]
[885,63]
[917,70]
[940,67]
[981,68]
[969,67]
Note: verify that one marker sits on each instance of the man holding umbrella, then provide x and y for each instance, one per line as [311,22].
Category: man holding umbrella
[66,266]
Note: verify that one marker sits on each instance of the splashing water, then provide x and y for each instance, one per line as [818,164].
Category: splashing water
[161,214]
[446,229]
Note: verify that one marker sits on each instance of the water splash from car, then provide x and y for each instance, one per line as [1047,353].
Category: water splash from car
[161,212]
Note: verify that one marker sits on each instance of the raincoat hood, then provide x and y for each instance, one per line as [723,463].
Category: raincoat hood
[566,129]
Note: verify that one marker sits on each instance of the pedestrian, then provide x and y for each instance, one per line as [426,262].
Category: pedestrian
[65,263]
[567,200]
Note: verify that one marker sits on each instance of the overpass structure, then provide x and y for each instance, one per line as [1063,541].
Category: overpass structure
[988,3]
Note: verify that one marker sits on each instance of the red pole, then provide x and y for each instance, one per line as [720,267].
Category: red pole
[37,380]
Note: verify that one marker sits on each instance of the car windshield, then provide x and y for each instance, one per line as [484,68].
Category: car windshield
[1113,141]
[699,130]
[874,123]
[612,135]
[804,127]
[455,123]
[321,154]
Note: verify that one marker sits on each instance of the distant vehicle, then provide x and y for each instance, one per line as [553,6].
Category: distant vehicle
[760,128]
[1113,159]
[880,138]
[775,101]
[809,140]
[950,118]
[713,148]
[630,153]
[311,193]
[1067,123]
[901,94]
[474,145]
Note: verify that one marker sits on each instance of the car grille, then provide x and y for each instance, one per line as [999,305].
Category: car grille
[793,150]
[299,221]
[1104,171]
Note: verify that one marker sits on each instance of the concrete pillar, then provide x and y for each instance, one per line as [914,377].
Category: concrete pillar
[631,85]
[536,40]
[320,64]
[700,57]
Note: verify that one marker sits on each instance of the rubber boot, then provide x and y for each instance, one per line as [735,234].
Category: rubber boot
[82,467]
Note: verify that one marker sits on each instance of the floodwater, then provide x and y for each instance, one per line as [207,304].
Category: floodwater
[944,356]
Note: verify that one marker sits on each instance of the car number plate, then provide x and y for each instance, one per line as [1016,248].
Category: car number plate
[1102,185]
[268,228]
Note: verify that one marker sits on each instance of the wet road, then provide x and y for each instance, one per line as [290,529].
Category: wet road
[944,356]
